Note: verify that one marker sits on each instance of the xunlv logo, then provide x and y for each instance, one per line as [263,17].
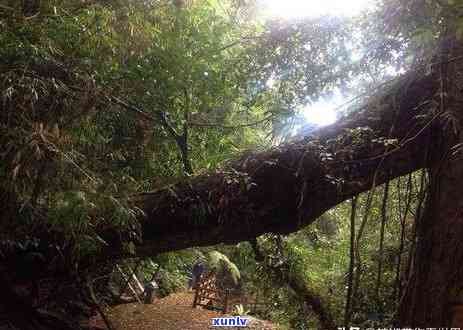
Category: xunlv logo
[235,321]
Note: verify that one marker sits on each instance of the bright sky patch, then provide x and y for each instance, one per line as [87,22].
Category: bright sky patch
[311,8]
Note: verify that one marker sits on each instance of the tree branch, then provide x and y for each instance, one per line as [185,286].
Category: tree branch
[180,139]
[231,126]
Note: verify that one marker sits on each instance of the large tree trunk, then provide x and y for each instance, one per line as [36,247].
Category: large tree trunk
[436,280]
[434,289]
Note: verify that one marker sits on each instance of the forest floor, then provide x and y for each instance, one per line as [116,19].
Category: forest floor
[174,312]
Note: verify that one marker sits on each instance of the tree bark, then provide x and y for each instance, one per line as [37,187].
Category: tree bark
[436,280]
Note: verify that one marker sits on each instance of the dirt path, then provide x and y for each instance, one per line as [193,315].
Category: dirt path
[171,313]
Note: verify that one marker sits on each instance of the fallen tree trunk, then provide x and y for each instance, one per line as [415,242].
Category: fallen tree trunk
[288,187]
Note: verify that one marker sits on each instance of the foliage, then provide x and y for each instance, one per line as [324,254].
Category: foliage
[207,82]
[239,310]
[219,263]
[173,269]
[198,72]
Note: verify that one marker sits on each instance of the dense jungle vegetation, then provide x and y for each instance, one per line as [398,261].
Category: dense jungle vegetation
[167,130]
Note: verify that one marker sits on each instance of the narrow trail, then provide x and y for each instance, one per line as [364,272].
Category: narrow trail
[171,313]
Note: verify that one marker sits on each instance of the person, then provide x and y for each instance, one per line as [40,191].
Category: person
[197,271]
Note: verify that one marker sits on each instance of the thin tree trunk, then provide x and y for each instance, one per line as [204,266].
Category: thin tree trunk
[418,214]
[348,309]
[358,259]
[381,239]
[403,217]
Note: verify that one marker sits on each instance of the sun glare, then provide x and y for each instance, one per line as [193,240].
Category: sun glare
[321,114]
[322,117]
[310,8]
